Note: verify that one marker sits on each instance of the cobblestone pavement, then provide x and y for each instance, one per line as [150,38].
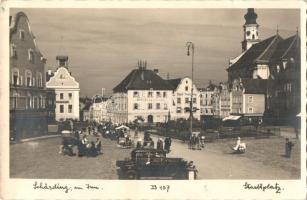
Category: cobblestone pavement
[263,160]
[41,159]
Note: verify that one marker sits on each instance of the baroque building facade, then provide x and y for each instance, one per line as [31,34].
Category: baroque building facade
[31,104]
[66,90]
[182,91]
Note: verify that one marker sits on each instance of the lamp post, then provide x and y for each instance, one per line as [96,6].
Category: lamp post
[190,47]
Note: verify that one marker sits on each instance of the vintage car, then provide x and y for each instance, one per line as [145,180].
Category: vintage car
[149,163]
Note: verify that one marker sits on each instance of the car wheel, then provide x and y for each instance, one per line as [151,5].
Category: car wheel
[131,174]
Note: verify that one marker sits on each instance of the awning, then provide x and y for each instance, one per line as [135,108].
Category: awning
[122,127]
[232,117]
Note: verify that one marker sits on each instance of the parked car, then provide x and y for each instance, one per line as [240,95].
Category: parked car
[149,163]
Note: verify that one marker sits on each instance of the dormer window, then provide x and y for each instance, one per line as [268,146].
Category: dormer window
[22,35]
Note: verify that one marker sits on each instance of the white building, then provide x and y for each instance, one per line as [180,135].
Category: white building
[66,90]
[143,94]
[206,100]
[98,109]
[182,89]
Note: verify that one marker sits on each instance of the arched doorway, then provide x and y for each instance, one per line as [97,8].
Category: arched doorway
[150,119]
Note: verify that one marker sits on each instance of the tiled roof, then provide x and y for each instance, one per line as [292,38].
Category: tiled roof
[259,52]
[287,47]
[142,79]
[174,82]
[254,86]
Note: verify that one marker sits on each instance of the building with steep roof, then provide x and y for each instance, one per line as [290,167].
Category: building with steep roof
[67,91]
[182,89]
[141,94]
[274,59]
[31,104]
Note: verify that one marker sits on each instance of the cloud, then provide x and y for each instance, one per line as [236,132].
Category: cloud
[104,45]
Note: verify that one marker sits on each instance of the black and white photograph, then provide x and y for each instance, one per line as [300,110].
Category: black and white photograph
[155,94]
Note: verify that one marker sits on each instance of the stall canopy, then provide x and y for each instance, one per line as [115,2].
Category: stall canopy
[122,127]
[232,117]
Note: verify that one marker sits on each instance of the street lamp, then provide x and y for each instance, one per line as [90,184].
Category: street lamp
[190,47]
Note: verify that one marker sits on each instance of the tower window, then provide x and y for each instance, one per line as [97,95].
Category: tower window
[253,36]
[248,33]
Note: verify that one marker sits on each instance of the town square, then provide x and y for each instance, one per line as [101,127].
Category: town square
[155,94]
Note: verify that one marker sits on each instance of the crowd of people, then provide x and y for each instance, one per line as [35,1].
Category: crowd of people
[149,143]
[80,139]
[196,142]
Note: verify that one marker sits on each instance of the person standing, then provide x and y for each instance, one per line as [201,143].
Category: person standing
[289,145]
[160,144]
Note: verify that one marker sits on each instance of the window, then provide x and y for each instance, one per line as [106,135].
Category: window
[194,100]
[149,94]
[13,51]
[250,99]
[31,55]
[164,94]
[135,94]
[150,106]
[28,78]
[61,96]
[15,77]
[253,36]
[158,94]
[179,100]
[186,100]
[178,110]
[248,33]
[61,108]
[158,106]
[186,88]
[21,34]
[250,110]
[165,106]
[135,106]
[70,108]
[70,96]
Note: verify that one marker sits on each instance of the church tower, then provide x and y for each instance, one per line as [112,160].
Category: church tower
[250,29]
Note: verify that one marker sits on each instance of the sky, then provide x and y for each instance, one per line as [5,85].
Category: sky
[104,45]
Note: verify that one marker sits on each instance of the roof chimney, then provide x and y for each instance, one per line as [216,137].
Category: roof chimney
[62,61]
[156,71]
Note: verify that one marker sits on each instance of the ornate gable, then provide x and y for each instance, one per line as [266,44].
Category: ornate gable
[62,79]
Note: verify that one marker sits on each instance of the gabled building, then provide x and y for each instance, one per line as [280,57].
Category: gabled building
[142,94]
[249,98]
[284,94]
[206,100]
[67,91]
[182,90]
[31,104]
